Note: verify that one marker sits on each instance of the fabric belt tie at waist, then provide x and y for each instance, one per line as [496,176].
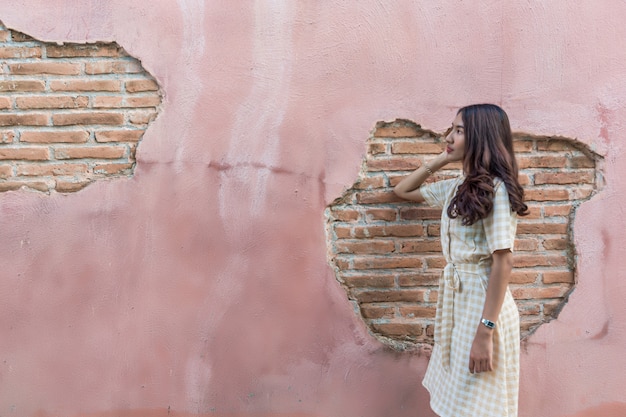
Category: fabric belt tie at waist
[451,284]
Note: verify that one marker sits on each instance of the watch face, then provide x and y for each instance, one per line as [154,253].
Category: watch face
[488,323]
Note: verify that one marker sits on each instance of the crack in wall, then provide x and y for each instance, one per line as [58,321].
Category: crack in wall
[386,252]
[70,114]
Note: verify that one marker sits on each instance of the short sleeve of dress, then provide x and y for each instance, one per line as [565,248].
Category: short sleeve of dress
[435,193]
[501,224]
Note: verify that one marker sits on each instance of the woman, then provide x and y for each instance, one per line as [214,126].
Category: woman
[474,367]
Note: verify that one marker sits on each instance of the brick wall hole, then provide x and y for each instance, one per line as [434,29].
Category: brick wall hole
[386,252]
[70,114]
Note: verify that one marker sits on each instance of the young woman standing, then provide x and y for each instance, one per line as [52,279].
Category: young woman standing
[474,367]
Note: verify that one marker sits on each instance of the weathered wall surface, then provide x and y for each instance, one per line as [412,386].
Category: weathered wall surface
[201,284]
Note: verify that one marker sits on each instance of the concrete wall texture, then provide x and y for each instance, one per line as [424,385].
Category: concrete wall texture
[201,285]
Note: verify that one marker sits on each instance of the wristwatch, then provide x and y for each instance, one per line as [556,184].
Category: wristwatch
[488,323]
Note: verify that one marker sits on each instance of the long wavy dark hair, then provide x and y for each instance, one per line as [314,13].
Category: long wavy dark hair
[488,154]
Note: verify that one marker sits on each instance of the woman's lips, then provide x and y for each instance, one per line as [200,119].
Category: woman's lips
[449,149]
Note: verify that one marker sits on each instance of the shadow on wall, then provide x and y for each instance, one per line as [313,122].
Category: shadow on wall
[386,251]
[70,114]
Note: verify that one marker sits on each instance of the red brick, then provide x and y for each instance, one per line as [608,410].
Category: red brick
[544,161]
[83,50]
[376,148]
[98,152]
[7,136]
[398,329]
[564,177]
[386,262]
[523,277]
[398,163]
[551,308]
[418,311]
[396,131]
[556,243]
[16,185]
[377,197]
[372,214]
[342,231]
[88,118]
[107,101]
[373,311]
[552,277]
[21,37]
[521,146]
[541,228]
[52,102]
[143,101]
[527,293]
[142,117]
[51,169]
[85,85]
[389,230]
[430,331]
[113,67]
[6,171]
[4,35]
[581,162]
[5,103]
[416,148]
[523,179]
[554,145]
[526,244]
[55,136]
[23,119]
[581,192]
[420,246]
[431,296]
[111,169]
[365,246]
[119,135]
[45,67]
[370,182]
[344,215]
[138,86]
[19,86]
[9,52]
[534,212]
[524,260]
[557,210]
[386,296]
[433,230]
[420,213]
[369,280]
[415,279]
[438,262]
[70,186]
[528,308]
[549,194]
[24,153]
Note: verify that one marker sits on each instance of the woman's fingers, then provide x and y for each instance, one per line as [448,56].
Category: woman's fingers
[477,366]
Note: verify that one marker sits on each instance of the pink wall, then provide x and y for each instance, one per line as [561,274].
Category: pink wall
[201,284]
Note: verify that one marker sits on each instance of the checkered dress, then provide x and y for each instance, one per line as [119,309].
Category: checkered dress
[454,391]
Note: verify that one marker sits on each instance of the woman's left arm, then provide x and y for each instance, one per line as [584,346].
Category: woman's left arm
[481,353]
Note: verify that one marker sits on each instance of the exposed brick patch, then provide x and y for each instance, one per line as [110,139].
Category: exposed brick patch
[387,255]
[69,114]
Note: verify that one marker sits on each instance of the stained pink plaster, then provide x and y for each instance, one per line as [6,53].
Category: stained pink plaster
[200,286]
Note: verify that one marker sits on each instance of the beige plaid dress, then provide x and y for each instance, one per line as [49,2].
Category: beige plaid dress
[454,391]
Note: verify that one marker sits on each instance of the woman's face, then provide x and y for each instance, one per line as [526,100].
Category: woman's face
[456,140]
